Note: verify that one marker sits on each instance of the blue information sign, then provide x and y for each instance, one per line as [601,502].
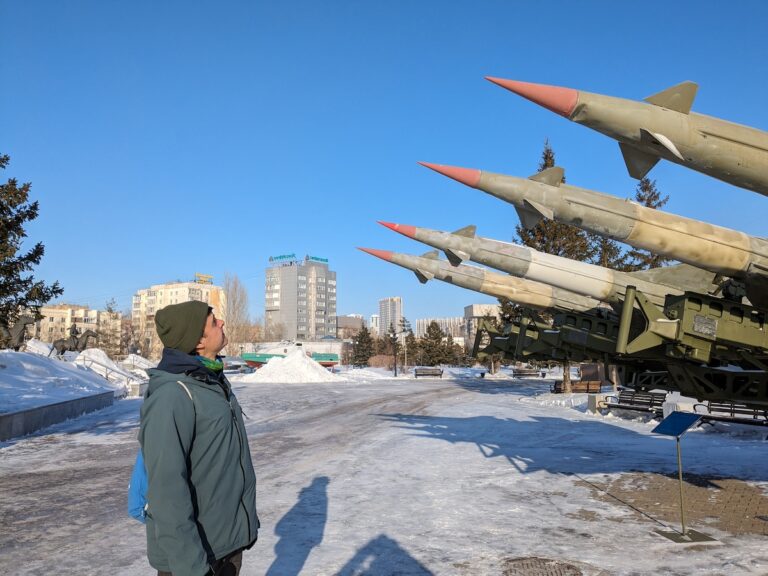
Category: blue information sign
[677,423]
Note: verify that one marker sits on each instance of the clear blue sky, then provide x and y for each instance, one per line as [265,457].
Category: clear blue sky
[168,138]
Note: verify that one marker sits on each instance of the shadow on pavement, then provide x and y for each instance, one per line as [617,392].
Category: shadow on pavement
[561,446]
[301,529]
[383,556]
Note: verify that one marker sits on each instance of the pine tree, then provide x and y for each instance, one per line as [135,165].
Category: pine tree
[363,348]
[607,253]
[555,237]
[18,288]
[394,345]
[431,345]
[647,195]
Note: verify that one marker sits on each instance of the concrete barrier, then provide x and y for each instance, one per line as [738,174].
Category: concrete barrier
[28,421]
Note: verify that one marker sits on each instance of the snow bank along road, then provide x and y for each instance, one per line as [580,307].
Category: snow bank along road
[389,477]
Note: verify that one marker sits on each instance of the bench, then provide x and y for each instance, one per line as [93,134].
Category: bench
[628,399]
[588,386]
[724,411]
[431,371]
[525,372]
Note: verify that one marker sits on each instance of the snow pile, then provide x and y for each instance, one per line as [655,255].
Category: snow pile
[133,361]
[29,380]
[36,346]
[97,360]
[295,368]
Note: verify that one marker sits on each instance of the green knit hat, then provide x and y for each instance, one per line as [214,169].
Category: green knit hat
[181,326]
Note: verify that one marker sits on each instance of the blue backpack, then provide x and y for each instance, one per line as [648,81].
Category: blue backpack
[137,490]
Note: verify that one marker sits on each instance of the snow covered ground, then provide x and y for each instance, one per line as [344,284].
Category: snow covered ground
[380,476]
[29,380]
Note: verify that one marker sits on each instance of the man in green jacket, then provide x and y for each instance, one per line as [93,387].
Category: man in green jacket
[201,494]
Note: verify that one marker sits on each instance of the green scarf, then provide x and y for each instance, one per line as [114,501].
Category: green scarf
[212,365]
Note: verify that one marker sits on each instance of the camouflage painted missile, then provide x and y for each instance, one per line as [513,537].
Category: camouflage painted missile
[524,292]
[662,126]
[597,282]
[727,252]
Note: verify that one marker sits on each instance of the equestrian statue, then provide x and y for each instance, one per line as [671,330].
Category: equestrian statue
[14,337]
[74,343]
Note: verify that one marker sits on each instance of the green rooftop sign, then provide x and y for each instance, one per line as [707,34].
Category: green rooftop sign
[282,258]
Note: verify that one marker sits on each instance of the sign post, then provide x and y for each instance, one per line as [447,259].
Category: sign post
[677,424]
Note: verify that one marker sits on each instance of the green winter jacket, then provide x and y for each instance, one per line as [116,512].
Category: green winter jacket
[201,496]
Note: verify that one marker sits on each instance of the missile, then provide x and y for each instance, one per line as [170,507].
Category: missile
[524,292]
[597,282]
[723,251]
[662,126]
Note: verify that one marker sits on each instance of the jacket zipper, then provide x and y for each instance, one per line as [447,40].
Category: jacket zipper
[242,468]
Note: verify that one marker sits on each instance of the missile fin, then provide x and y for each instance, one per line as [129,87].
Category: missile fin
[423,277]
[659,139]
[456,257]
[432,255]
[543,211]
[678,98]
[467,231]
[638,162]
[528,218]
[552,176]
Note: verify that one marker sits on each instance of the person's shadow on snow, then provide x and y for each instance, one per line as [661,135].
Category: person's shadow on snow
[383,556]
[301,529]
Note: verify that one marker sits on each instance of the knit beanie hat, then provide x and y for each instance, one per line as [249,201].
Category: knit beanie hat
[181,326]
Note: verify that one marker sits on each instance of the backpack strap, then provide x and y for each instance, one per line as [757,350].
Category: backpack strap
[194,407]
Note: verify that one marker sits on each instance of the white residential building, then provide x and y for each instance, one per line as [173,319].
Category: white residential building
[58,318]
[300,299]
[472,315]
[390,314]
[373,325]
[450,326]
[147,301]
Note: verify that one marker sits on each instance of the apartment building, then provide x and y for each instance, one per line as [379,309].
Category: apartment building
[147,301]
[300,298]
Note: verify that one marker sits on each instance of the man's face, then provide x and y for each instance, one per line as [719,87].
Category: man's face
[213,339]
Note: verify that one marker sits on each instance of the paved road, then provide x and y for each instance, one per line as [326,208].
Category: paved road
[407,477]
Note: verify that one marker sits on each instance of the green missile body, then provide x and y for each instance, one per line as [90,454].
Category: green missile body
[662,126]
[526,293]
[723,251]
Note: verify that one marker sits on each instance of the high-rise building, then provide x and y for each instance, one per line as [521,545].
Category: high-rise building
[373,325]
[300,299]
[390,313]
[147,301]
[450,326]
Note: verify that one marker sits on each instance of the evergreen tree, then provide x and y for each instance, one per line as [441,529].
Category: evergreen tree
[363,348]
[394,345]
[18,288]
[607,253]
[431,345]
[555,237]
[647,195]
[412,346]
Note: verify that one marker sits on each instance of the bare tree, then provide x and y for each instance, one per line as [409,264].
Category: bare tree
[237,317]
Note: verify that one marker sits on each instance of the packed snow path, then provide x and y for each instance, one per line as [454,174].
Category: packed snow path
[383,477]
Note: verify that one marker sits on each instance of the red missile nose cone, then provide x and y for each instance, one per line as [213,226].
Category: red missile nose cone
[468,176]
[404,229]
[383,254]
[559,100]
